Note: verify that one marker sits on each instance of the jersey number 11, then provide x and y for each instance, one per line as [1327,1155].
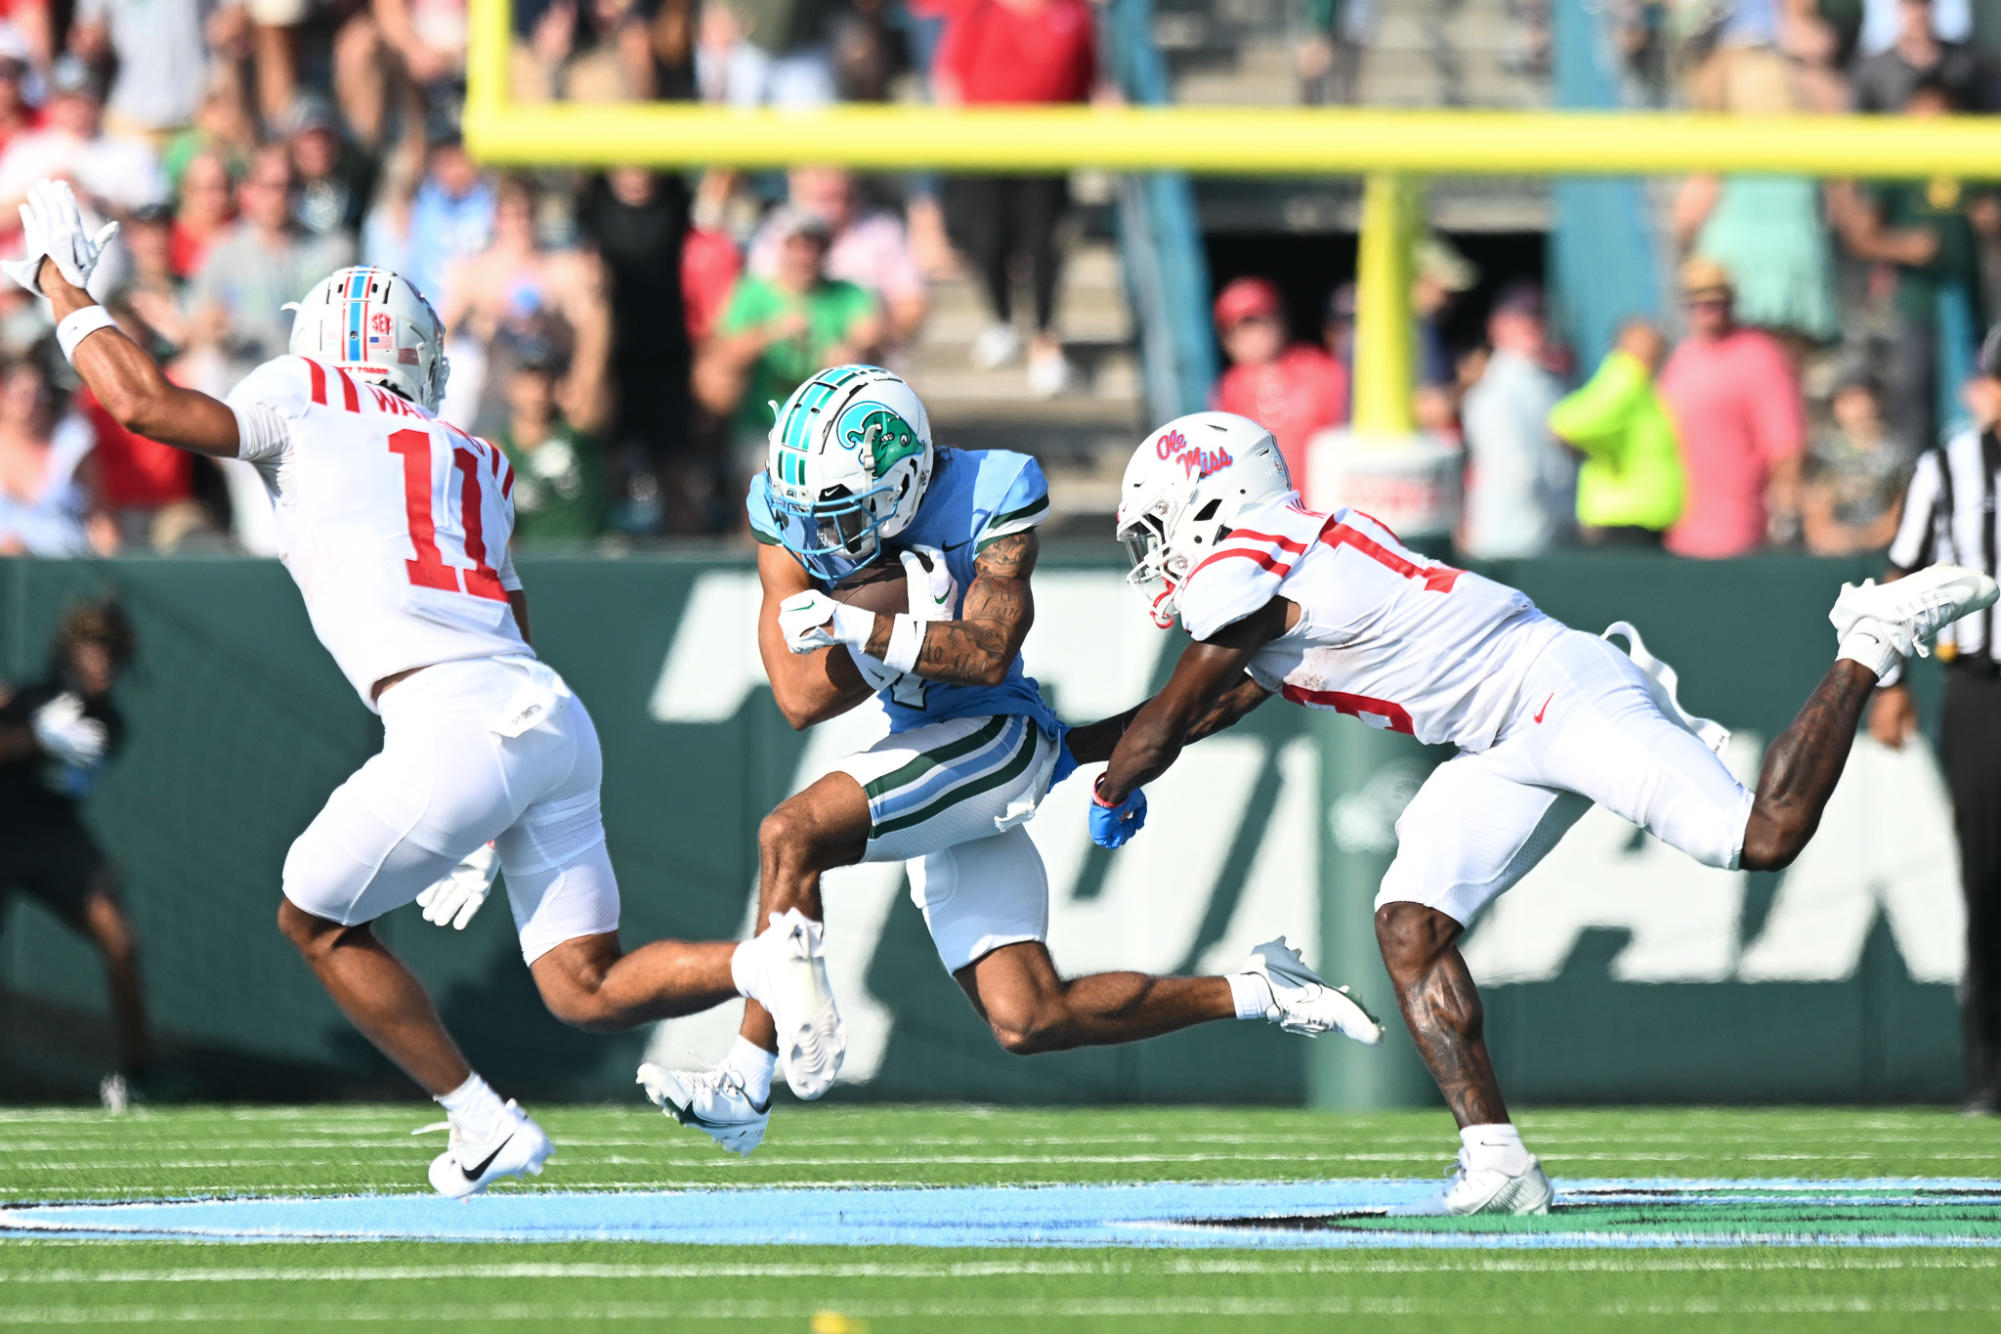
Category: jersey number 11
[429,570]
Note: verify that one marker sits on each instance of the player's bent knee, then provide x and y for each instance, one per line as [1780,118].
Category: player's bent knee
[1030,1031]
[1411,935]
[306,931]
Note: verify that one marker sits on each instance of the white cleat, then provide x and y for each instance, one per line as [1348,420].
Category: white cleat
[791,982]
[1306,1004]
[711,1101]
[1484,1190]
[1909,611]
[516,1146]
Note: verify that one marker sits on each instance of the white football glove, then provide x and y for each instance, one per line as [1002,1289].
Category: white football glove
[66,736]
[812,620]
[453,900]
[933,595]
[52,229]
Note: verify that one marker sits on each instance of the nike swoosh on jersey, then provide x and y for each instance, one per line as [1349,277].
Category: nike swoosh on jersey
[474,1173]
[1545,707]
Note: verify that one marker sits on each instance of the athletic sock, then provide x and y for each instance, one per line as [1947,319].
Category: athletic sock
[1252,993]
[474,1107]
[743,968]
[1498,1145]
[754,1066]
[1868,645]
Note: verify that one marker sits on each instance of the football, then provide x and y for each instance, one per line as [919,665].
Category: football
[878,587]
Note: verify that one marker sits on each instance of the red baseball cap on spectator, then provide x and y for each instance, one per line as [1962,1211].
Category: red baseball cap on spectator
[1247,299]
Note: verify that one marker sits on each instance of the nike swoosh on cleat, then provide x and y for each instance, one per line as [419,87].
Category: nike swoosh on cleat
[1545,707]
[474,1173]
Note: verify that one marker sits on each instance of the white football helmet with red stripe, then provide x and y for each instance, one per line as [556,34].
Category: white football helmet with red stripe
[377,326]
[1182,493]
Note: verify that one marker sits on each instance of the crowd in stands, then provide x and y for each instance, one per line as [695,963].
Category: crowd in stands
[1827,331]
[619,333]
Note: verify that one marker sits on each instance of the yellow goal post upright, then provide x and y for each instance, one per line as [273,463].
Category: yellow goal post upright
[1383,464]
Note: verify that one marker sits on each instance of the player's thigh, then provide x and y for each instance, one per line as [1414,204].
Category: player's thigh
[1605,737]
[951,782]
[436,791]
[560,884]
[59,865]
[1470,834]
[982,896]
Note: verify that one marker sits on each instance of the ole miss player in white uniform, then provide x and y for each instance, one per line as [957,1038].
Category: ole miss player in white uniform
[395,526]
[1333,612]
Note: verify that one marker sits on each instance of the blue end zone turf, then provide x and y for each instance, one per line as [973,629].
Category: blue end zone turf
[1619,1214]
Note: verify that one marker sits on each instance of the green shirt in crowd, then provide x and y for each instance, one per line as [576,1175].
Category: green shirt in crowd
[1632,475]
[832,311]
[560,491]
[1940,206]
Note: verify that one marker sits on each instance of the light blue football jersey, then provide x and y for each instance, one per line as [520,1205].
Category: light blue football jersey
[976,497]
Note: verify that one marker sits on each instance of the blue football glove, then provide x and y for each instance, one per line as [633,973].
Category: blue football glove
[1111,826]
[1066,763]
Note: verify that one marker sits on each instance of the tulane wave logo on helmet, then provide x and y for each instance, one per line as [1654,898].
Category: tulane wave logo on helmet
[879,436]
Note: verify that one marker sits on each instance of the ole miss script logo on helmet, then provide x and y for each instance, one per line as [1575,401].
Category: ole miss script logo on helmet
[1174,446]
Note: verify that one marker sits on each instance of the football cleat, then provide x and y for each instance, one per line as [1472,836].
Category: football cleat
[1908,612]
[1484,1190]
[515,1145]
[1305,1003]
[711,1101]
[791,982]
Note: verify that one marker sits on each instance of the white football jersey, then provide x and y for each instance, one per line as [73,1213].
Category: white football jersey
[394,524]
[1384,634]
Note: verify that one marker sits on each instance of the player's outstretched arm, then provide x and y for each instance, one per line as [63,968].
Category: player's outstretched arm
[130,385]
[1208,690]
[980,647]
[1092,743]
[809,687]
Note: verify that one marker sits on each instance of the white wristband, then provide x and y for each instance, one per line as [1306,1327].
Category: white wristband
[79,325]
[906,641]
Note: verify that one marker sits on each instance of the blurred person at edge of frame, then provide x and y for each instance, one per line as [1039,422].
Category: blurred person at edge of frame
[1949,514]
[1294,390]
[1630,484]
[56,736]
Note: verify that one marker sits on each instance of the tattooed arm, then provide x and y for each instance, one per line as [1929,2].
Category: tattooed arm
[980,647]
[809,687]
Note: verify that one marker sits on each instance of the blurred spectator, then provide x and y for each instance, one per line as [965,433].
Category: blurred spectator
[1520,484]
[637,219]
[1855,474]
[1770,232]
[1443,275]
[429,40]
[710,264]
[15,113]
[924,28]
[29,31]
[207,207]
[163,50]
[779,330]
[112,173]
[1016,51]
[869,249]
[255,267]
[1737,412]
[516,289]
[1337,332]
[48,506]
[1329,53]
[335,177]
[449,218]
[223,125]
[147,299]
[1293,391]
[755,53]
[560,491]
[1885,81]
[275,29]
[1924,231]
[1630,484]
[146,487]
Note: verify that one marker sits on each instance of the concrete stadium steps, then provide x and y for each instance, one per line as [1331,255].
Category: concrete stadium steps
[1081,437]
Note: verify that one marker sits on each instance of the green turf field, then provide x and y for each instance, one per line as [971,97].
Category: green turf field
[48,1155]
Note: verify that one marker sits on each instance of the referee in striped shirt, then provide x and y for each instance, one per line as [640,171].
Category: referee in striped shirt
[1950,515]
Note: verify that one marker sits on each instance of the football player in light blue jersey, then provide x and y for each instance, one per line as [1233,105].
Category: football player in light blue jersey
[852,480]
